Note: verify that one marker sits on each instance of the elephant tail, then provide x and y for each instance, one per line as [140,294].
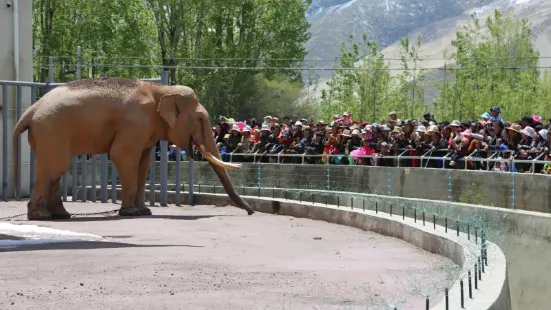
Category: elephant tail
[22,125]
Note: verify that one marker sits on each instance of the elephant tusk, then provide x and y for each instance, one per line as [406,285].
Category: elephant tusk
[216,161]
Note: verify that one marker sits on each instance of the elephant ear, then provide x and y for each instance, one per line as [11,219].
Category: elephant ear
[168,109]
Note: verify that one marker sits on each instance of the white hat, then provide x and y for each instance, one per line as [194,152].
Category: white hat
[421,128]
[298,123]
[529,131]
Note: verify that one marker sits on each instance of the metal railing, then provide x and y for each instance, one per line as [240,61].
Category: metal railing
[8,105]
[425,157]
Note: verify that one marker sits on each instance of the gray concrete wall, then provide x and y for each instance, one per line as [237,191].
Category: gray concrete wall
[25,74]
[493,291]
[531,191]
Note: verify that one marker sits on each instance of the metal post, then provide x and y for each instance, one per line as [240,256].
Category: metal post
[78,68]
[113,182]
[5,143]
[190,178]
[50,69]
[164,171]
[164,155]
[103,178]
[84,163]
[74,176]
[178,175]
[152,179]
[94,178]
[65,185]
[447,299]
[18,112]
[32,165]
[462,294]
[470,285]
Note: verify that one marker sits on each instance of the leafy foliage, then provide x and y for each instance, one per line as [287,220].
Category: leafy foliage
[497,66]
[218,47]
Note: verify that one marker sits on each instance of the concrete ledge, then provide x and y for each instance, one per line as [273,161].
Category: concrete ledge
[493,292]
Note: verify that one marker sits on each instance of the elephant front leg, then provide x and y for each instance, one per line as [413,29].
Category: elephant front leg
[142,177]
[127,167]
[55,204]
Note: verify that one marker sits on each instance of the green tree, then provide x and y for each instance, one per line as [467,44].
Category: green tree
[360,85]
[498,67]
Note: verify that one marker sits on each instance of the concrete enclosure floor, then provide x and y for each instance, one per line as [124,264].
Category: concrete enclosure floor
[207,257]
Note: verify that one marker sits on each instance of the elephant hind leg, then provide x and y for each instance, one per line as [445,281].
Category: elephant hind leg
[37,205]
[55,204]
[45,201]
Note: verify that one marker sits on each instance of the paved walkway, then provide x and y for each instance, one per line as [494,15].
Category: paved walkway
[207,257]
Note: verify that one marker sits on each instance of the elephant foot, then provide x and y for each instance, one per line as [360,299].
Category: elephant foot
[37,213]
[58,212]
[144,210]
[130,211]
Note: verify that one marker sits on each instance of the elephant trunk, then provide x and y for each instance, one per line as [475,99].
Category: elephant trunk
[208,148]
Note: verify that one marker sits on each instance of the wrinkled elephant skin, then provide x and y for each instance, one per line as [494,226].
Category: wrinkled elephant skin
[122,117]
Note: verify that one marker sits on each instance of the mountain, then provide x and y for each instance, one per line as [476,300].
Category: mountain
[386,21]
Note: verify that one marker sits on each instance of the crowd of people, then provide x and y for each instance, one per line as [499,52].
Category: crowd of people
[343,141]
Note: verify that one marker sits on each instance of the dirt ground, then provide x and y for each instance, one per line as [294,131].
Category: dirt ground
[207,257]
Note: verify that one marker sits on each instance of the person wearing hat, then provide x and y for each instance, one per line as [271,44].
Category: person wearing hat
[233,139]
[393,119]
[316,147]
[495,114]
[355,142]
[244,145]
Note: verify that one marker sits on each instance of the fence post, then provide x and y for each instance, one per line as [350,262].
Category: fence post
[164,155]
[78,69]
[113,182]
[94,178]
[74,176]
[152,178]
[103,176]
[18,112]
[50,70]
[190,178]
[178,176]
[5,143]
[164,172]
[32,166]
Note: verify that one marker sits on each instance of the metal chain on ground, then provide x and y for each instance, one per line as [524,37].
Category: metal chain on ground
[72,214]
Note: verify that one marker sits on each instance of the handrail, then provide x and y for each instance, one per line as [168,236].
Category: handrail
[490,159]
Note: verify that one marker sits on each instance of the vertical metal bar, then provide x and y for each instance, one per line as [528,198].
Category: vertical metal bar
[4,143]
[178,175]
[152,179]
[32,167]
[462,294]
[94,178]
[470,285]
[84,163]
[18,109]
[50,69]
[190,180]
[113,182]
[78,72]
[103,178]
[164,172]
[74,176]
[64,185]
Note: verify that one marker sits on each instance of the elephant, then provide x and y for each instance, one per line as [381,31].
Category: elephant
[120,116]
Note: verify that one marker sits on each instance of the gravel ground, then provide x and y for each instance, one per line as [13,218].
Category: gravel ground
[208,257]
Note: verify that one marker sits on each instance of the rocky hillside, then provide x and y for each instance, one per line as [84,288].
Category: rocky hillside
[386,21]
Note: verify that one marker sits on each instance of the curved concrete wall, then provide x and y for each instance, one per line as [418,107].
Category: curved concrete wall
[493,291]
